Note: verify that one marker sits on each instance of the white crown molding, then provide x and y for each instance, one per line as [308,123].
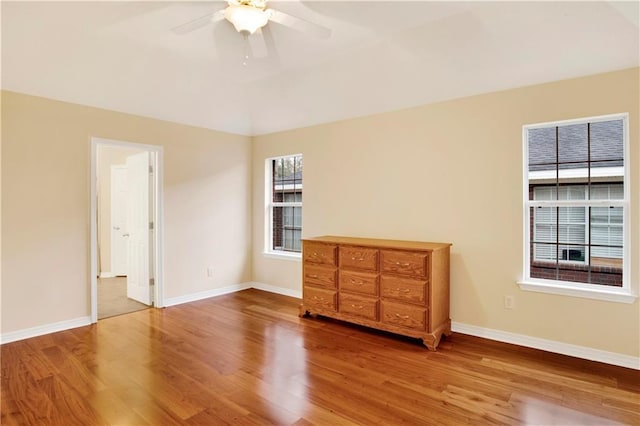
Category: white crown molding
[44,329]
[548,345]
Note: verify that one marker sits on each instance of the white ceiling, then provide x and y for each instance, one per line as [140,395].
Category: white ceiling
[381,56]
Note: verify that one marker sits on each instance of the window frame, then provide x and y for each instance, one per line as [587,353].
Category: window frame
[622,294]
[270,205]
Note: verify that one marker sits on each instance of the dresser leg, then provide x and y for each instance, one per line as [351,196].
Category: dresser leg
[431,341]
[302,311]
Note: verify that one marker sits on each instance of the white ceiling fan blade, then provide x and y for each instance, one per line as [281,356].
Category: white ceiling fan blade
[269,43]
[299,24]
[258,44]
[199,22]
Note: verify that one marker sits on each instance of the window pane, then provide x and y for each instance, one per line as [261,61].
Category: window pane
[572,215]
[607,191]
[297,188]
[608,278]
[607,144]
[544,252]
[545,215]
[572,146]
[542,148]
[278,181]
[277,228]
[573,192]
[572,253]
[606,233]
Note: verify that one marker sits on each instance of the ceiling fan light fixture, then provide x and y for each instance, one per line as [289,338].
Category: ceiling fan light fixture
[246,18]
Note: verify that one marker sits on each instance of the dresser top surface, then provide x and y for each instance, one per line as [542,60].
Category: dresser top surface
[397,244]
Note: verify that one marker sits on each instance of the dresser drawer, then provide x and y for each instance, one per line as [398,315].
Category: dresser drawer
[403,289]
[320,298]
[324,276]
[366,307]
[401,315]
[358,282]
[319,253]
[358,258]
[405,262]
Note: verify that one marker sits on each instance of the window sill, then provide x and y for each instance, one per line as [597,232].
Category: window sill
[297,257]
[617,294]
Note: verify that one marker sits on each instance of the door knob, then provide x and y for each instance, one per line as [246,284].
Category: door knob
[125,235]
[117,228]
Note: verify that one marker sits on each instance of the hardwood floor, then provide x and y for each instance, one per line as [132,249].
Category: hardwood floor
[246,358]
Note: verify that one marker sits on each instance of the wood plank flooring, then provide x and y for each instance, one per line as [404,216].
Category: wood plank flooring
[247,359]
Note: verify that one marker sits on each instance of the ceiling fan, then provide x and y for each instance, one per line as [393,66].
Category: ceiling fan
[248,16]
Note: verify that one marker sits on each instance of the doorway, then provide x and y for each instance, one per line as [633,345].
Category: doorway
[126,225]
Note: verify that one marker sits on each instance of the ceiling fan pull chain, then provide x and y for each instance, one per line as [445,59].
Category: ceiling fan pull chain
[245,53]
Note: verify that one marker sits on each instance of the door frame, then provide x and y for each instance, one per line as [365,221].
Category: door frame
[156,216]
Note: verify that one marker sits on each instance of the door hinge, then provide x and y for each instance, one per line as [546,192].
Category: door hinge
[152,281]
[150,169]
[150,225]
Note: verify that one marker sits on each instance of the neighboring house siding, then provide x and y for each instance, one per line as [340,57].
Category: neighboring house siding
[606,149]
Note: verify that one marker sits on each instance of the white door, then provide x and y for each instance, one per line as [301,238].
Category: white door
[138,276]
[118,220]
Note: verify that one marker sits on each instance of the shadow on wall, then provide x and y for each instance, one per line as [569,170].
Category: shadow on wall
[463,293]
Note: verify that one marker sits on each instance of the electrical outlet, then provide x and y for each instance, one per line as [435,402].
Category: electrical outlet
[210,272]
[509,302]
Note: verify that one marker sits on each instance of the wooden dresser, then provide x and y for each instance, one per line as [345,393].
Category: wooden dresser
[396,286]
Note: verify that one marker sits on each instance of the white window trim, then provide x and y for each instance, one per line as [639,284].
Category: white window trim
[268,252]
[624,294]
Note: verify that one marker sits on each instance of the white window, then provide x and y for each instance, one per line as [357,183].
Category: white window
[576,208]
[284,205]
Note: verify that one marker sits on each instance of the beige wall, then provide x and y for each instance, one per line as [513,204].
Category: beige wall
[445,172]
[107,156]
[452,172]
[45,210]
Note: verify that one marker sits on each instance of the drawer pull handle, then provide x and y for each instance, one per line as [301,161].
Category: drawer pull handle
[406,290]
[318,298]
[402,264]
[359,259]
[402,316]
[357,306]
[356,282]
[313,276]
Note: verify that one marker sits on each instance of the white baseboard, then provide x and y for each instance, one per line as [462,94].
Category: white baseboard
[107,275]
[231,289]
[278,290]
[549,345]
[44,329]
[172,301]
